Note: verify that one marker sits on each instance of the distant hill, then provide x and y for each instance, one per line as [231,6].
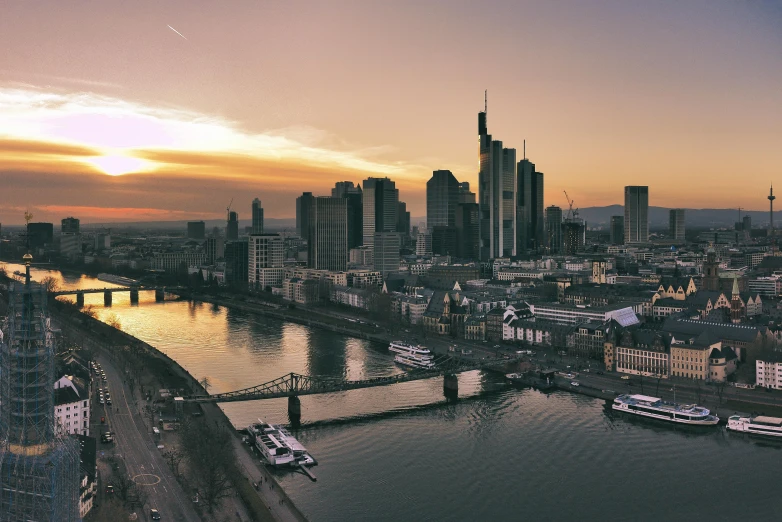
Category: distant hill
[694,217]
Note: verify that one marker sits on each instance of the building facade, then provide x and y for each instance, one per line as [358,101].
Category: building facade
[636,214]
[328,236]
[380,207]
[265,261]
[676,224]
[617,232]
[442,197]
[257,211]
[554,229]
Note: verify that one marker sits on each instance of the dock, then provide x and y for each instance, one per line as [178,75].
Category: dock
[307,472]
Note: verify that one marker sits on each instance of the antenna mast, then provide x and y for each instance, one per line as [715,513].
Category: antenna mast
[486,101]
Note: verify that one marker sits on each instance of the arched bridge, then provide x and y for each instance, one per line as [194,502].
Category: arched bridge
[160,292]
[293,385]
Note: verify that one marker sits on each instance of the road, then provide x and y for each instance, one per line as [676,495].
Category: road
[143,461]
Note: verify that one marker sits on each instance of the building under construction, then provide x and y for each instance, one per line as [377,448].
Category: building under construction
[39,466]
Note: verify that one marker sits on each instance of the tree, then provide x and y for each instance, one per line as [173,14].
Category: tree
[211,461]
[113,321]
[720,390]
[173,457]
[111,510]
[50,284]
[205,383]
[90,311]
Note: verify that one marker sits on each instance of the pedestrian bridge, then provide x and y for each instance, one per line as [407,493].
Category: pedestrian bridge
[293,385]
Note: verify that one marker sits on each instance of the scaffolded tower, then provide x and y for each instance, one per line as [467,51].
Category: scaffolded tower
[39,466]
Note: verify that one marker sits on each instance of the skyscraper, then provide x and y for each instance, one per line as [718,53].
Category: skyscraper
[496,191]
[442,196]
[636,214]
[554,229]
[467,229]
[303,206]
[257,209]
[676,224]
[380,208]
[327,248]
[39,466]
[617,230]
[465,194]
[346,190]
[237,255]
[70,225]
[529,215]
[196,230]
[403,221]
[232,227]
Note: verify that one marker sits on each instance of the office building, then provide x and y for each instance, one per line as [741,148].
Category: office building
[40,234]
[196,230]
[70,245]
[676,224]
[403,222]
[423,244]
[465,194]
[232,227]
[617,230]
[573,235]
[39,465]
[355,198]
[257,210]
[213,248]
[529,213]
[386,251]
[266,261]
[636,214]
[70,225]
[554,229]
[328,235]
[237,254]
[467,223]
[496,195]
[746,223]
[442,196]
[303,206]
[444,241]
[380,208]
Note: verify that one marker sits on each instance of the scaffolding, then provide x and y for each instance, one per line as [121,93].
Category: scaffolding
[39,464]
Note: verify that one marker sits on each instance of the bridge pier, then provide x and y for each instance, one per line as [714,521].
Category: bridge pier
[134,297]
[451,386]
[107,298]
[80,299]
[294,410]
[160,295]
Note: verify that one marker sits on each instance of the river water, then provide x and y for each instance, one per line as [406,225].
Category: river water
[404,452]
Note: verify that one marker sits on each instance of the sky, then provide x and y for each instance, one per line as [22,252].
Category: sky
[109,114]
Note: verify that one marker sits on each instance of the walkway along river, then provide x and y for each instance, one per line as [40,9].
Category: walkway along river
[404,452]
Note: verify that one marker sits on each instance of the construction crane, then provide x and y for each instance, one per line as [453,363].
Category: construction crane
[570,203]
[228,210]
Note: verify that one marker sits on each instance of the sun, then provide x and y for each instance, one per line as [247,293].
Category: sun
[117,165]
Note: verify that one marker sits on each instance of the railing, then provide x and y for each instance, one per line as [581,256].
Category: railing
[293,384]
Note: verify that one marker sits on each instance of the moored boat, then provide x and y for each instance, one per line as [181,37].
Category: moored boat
[278,447]
[404,348]
[656,408]
[415,361]
[758,425]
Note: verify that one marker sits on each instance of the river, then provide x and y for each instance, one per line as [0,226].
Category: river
[404,452]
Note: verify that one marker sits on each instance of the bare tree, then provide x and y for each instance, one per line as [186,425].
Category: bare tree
[111,510]
[211,461]
[720,390]
[90,311]
[50,284]
[205,383]
[113,321]
[122,485]
[173,457]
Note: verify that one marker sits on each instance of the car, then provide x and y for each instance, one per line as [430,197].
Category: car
[574,383]
[109,489]
[154,514]
[599,372]
[102,400]
[625,377]
[108,402]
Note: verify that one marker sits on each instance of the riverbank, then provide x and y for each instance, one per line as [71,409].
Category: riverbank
[262,505]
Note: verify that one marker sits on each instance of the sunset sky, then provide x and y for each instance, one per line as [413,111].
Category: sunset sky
[107,114]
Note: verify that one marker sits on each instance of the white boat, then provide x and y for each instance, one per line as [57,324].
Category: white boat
[278,447]
[415,361]
[408,349]
[656,408]
[759,425]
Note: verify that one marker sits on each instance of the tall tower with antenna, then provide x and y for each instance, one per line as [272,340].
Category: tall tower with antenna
[771,198]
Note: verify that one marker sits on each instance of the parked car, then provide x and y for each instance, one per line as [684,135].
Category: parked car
[574,383]
[154,514]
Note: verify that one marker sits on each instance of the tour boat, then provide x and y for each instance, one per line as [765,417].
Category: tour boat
[656,408]
[415,361]
[278,447]
[408,349]
[759,425]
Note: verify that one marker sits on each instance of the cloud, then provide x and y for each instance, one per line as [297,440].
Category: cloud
[58,139]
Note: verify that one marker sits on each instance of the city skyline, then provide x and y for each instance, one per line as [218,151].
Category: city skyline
[619,90]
